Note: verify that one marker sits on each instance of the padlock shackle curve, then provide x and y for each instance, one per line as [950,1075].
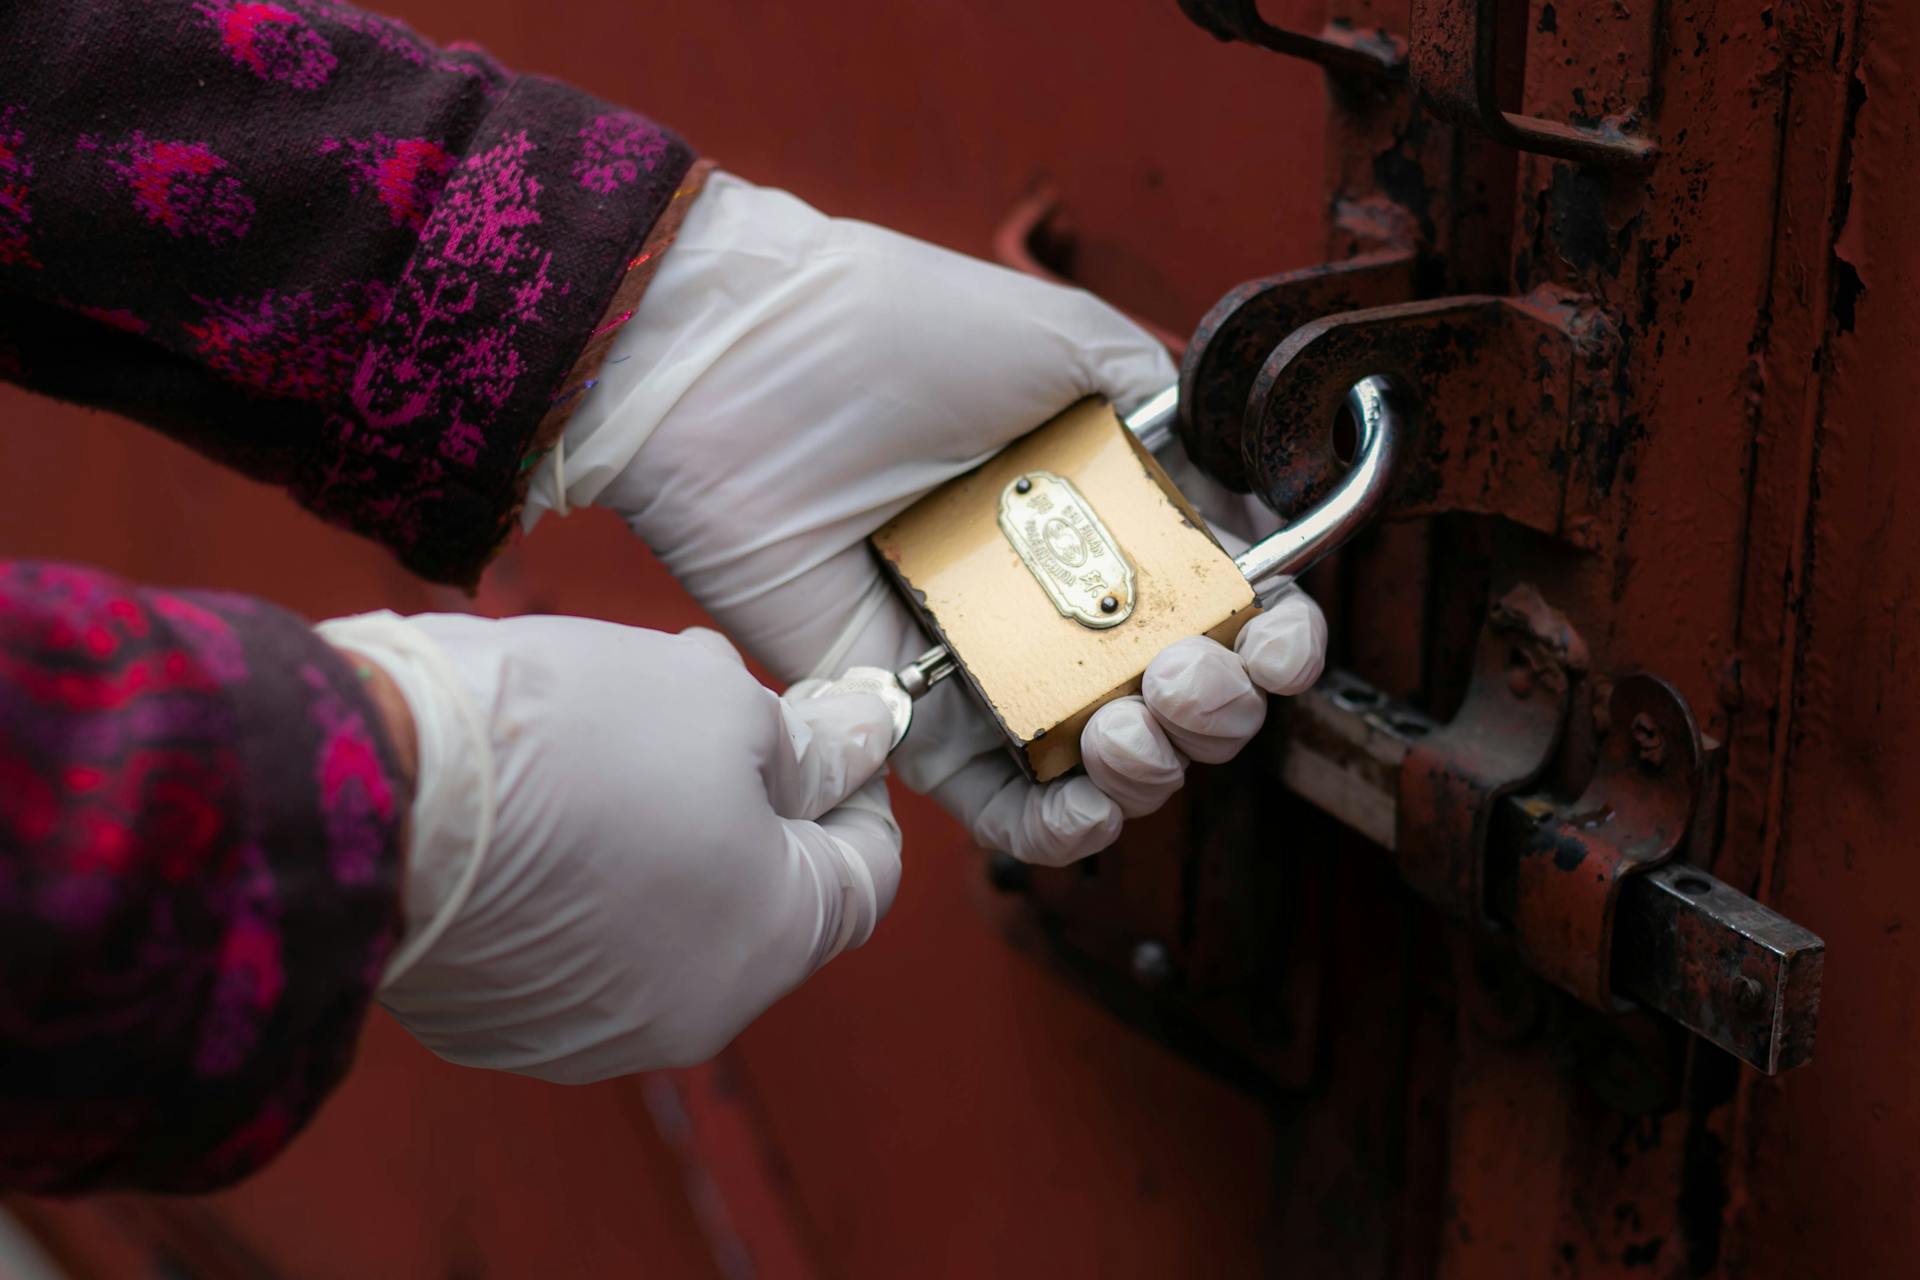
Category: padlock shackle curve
[1378,406]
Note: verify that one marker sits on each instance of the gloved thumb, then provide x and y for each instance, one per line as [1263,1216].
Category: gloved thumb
[853,854]
[837,744]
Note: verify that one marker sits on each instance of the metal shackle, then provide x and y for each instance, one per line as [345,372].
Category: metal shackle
[1309,536]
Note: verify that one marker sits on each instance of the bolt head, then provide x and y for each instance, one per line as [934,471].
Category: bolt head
[1023,485]
[1152,964]
[1109,604]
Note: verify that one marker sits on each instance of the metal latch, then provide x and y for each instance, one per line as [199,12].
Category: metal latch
[1506,390]
[1679,941]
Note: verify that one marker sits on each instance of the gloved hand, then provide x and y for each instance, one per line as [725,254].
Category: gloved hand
[623,847]
[790,383]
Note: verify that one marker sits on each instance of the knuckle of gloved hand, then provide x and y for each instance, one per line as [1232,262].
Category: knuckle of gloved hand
[1076,819]
[1136,797]
[1195,684]
[1124,738]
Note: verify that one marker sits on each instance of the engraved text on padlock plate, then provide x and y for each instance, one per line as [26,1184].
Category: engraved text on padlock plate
[1066,548]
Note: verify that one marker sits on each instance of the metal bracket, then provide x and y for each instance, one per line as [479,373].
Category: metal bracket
[1453,778]
[1507,388]
[1685,945]
[1238,333]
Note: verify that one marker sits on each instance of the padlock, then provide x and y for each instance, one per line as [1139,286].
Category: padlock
[1051,574]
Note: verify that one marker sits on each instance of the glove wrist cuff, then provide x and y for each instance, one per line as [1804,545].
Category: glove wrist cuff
[453,811]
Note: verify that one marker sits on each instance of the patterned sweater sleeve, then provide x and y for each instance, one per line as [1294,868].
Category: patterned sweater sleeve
[200,854]
[308,243]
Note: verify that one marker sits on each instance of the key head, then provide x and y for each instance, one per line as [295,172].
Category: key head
[882,684]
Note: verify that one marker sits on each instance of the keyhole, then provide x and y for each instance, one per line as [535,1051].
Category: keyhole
[1346,435]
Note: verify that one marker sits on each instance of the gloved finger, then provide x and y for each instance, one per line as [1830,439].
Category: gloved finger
[1285,648]
[853,856]
[1129,757]
[1049,825]
[1118,359]
[834,746]
[1201,694]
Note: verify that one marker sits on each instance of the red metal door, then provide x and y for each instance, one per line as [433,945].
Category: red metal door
[1341,1079]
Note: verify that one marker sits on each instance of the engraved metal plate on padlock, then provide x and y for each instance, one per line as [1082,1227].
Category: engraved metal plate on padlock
[1067,548]
[1052,573]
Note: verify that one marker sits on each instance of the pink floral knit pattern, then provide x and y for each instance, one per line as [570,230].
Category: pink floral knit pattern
[199,851]
[302,346]
[182,186]
[16,171]
[398,39]
[405,174]
[272,42]
[306,242]
[355,792]
[322,249]
[616,149]
[482,246]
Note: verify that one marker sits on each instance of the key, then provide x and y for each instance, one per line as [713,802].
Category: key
[898,689]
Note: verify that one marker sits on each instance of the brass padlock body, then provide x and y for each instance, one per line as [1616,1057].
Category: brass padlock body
[1040,672]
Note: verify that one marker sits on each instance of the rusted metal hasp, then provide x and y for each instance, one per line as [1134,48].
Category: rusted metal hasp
[1685,945]
[1339,47]
[1506,387]
[1243,328]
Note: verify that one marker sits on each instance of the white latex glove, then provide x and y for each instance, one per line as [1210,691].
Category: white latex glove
[792,382]
[624,848]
